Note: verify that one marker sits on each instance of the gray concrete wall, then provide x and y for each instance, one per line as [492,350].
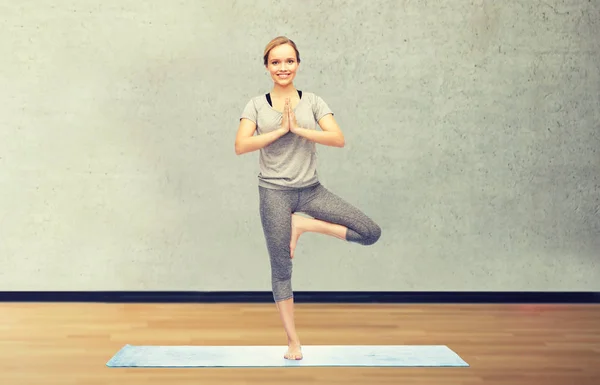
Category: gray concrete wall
[472,132]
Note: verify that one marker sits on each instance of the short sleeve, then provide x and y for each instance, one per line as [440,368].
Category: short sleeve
[250,112]
[320,108]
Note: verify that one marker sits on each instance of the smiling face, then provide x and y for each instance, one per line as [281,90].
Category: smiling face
[282,64]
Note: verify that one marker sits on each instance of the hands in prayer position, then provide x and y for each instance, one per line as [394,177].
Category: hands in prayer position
[288,122]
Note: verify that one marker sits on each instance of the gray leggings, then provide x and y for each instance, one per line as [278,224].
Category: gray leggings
[276,208]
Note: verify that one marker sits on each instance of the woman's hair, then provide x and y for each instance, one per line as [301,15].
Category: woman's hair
[279,40]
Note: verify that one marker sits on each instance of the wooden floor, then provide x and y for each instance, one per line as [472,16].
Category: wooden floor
[504,344]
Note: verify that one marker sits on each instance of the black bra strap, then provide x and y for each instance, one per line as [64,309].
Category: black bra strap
[271,103]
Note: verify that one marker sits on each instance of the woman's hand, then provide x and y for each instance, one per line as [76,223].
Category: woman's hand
[292,120]
[285,120]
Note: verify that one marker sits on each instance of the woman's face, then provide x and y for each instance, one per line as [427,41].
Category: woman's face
[282,64]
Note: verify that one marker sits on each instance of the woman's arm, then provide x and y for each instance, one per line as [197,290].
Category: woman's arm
[330,136]
[333,139]
[245,140]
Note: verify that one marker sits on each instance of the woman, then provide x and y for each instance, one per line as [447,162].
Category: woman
[286,120]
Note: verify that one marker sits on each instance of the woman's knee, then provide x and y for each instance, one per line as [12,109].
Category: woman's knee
[282,273]
[282,287]
[372,235]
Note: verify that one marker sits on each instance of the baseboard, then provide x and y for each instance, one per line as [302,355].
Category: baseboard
[300,297]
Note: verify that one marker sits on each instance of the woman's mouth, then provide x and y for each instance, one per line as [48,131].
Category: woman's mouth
[283,76]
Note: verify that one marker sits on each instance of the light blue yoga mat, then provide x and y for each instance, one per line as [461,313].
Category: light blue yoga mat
[272,356]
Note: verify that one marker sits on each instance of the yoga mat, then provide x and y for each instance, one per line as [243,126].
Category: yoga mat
[272,356]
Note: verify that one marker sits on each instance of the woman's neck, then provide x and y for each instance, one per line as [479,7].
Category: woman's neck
[283,92]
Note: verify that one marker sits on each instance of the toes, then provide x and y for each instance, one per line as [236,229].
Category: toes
[289,355]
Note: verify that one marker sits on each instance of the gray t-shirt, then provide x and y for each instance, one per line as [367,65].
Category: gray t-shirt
[291,161]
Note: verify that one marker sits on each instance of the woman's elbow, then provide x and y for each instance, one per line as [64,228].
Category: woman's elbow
[238,149]
[341,142]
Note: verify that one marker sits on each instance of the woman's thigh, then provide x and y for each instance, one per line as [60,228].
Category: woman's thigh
[276,207]
[324,205]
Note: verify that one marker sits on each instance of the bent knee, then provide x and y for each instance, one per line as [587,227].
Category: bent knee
[374,235]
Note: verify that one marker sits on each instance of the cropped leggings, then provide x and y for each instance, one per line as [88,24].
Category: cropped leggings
[276,209]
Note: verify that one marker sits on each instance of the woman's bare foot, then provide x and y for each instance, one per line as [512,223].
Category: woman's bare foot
[297,230]
[294,352]
[302,225]
[286,311]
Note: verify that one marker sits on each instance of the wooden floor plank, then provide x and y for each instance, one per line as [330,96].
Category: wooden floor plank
[70,343]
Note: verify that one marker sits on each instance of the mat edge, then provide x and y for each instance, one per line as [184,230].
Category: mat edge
[117,355]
